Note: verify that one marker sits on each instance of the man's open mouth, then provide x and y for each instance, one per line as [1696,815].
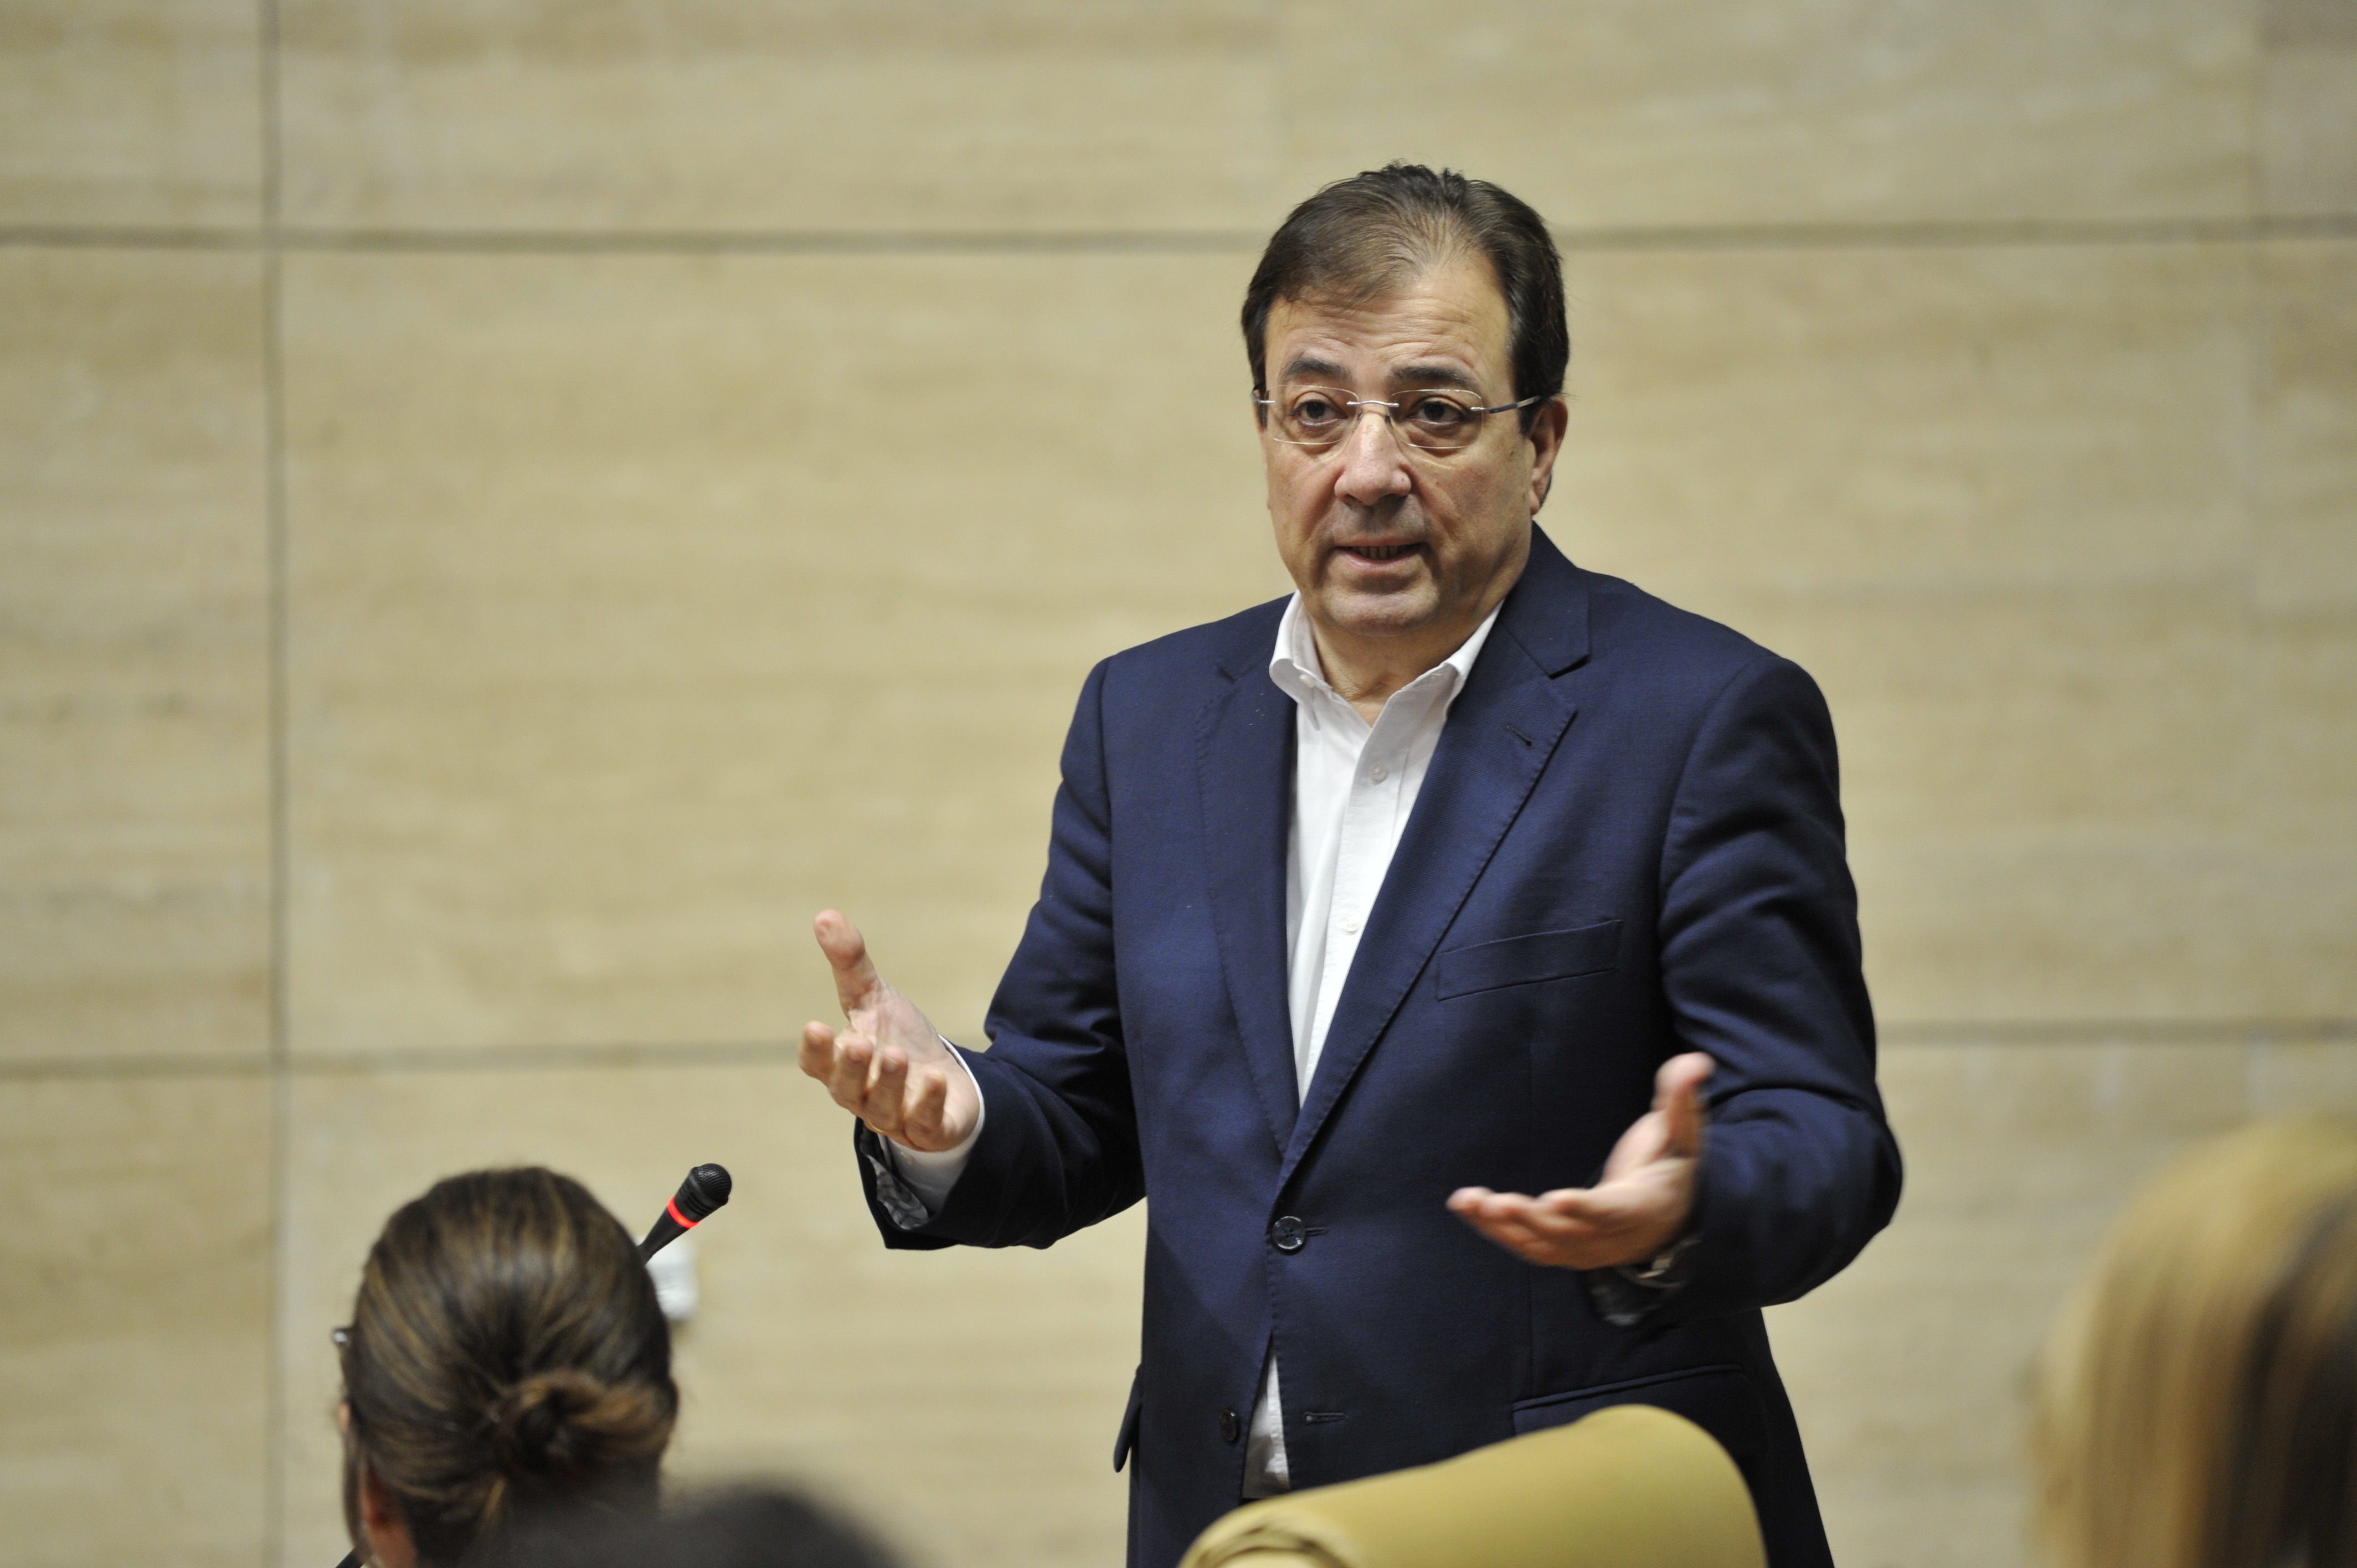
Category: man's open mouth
[1377,552]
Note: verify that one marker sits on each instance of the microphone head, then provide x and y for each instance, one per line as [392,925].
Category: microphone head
[706,1189]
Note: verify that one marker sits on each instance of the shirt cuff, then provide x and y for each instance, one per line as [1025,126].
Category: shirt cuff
[926,1178]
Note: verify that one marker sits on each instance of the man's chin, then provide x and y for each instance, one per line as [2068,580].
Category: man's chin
[1376,616]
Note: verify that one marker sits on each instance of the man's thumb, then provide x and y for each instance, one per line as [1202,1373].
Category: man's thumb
[1678,1094]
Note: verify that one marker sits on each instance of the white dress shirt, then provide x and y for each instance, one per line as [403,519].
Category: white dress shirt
[1354,786]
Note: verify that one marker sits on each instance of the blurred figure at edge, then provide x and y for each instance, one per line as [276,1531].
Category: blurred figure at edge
[2198,1401]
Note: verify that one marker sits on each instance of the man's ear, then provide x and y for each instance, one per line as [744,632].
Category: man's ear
[388,1533]
[1546,445]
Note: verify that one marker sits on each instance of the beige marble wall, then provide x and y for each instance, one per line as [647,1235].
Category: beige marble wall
[2307,107]
[134,681]
[482,567]
[140,113]
[135,1319]
[643,609]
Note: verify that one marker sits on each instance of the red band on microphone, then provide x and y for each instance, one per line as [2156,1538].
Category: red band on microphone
[672,1204]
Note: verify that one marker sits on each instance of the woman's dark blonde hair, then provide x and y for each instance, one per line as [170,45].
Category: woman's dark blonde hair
[506,1359]
[2198,1401]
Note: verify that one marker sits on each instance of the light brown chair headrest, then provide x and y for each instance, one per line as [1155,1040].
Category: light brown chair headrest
[1631,1487]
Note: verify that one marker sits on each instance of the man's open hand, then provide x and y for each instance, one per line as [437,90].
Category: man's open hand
[1637,1209]
[888,1068]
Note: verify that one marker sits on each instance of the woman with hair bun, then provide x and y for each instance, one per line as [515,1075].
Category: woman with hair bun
[506,1363]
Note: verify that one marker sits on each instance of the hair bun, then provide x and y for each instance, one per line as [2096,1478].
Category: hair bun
[552,1424]
[535,1423]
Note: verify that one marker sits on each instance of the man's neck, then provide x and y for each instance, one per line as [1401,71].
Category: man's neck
[1364,671]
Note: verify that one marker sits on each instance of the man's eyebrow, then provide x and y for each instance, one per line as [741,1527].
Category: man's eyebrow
[1437,375]
[1310,365]
[1433,376]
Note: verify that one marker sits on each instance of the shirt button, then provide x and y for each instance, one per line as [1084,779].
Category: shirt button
[1379,773]
[1351,924]
[1289,1234]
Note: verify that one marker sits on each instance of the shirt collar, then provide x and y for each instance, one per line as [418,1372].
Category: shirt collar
[1298,673]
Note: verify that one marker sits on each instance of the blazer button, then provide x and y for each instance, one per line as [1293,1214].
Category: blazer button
[1289,1234]
[1229,1427]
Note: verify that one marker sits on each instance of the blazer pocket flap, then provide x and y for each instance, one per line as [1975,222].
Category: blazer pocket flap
[1719,1399]
[1524,961]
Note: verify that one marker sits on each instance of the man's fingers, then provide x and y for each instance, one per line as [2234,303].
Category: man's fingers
[887,1092]
[1493,1214]
[1587,1210]
[857,983]
[1571,1213]
[928,1106]
[1559,1216]
[1677,1095]
[1514,1238]
[853,1054]
[1500,1224]
[1539,1230]
[818,1051]
[842,1063]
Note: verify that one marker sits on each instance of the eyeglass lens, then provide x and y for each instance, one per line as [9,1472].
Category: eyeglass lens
[1319,416]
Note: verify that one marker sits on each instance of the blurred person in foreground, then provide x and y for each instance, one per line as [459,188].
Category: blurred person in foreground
[744,1527]
[506,1366]
[1460,953]
[2198,1401]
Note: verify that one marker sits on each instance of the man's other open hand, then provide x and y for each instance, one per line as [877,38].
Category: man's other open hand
[1639,1208]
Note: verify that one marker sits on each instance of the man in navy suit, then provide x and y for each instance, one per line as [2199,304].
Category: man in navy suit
[1460,874]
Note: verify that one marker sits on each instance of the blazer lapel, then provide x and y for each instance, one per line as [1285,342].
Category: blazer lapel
[1501,734]
[1245,761]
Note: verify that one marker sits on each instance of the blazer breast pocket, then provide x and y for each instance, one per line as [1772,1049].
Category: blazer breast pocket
[1525,960]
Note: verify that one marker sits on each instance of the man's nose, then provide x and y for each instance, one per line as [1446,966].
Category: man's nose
[1374,462]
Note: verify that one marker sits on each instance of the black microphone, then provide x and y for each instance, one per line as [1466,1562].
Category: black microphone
[706,1189]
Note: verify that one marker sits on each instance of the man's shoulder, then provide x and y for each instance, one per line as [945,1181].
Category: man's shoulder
[1568,617]
[1657,659]
[1627,620]
[1231,648]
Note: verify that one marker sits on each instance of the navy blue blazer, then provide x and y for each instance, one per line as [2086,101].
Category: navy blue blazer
[1629,844]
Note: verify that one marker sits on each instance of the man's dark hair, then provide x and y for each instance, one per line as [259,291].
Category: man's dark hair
[1363,237]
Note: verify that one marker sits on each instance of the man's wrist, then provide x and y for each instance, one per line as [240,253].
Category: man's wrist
[1664,1270]
[950,1161]
[1627,1293]
[925,1177]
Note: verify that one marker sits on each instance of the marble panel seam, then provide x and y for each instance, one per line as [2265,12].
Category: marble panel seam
[277,1441]
[30,1069]
[553,1057]
[2120,1031]
[2028,232]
